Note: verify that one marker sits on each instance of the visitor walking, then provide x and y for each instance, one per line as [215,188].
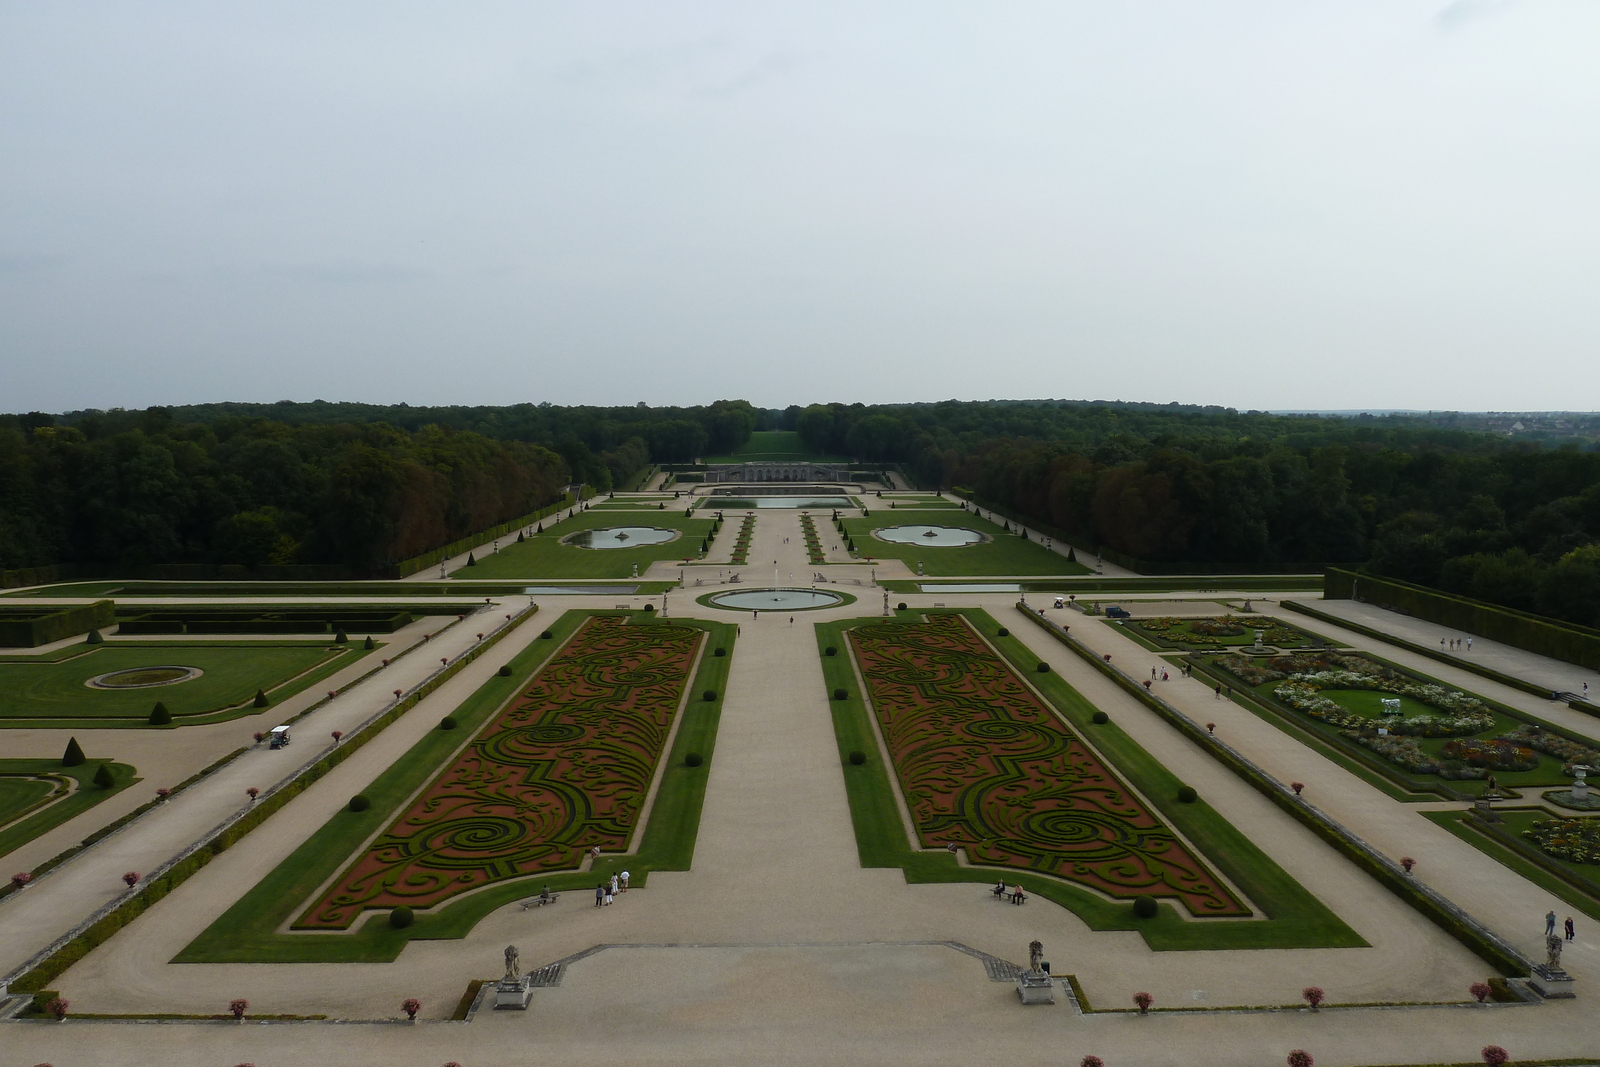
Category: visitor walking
[624,879]
[1550,924]
[1571,930]
[614,884]
[1218,695]
[1469,644]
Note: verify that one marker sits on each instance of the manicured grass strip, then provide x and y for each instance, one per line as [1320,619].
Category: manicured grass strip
[52,694]
[86,796]
[1296,919]
[1003,553]
[246,932]
[1464,826]
[544,555]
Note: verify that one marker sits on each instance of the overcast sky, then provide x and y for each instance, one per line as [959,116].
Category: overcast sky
[1290,204]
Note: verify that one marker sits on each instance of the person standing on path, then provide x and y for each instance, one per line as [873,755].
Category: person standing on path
[1550,924]
[599,894]
[1469,644]
[624,880]
[1571,930]
[615,886]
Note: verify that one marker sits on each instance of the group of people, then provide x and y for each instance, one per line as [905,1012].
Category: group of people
[606,892]
[1550,927]
[1453,644]
[1015,893]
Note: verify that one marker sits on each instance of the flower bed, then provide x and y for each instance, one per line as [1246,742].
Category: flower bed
[1246,668]
[1310,674]
[562,769]
[1492,755]
[1573,840]
[1570,753]
[1405,751]
[986,765]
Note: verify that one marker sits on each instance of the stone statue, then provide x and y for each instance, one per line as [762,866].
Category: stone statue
[1552,947]
[1036,955]
[513,963]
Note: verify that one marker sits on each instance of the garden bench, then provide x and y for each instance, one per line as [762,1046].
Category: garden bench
[540,901]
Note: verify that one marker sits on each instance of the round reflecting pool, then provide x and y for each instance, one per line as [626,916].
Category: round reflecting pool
[935,536]
[620,537]
[774,599]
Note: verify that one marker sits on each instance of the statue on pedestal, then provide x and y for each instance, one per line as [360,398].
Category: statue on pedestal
[1552,948]
[1036,956]
[513,964]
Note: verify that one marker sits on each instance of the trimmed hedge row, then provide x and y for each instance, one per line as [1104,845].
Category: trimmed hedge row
[32,629]
[471,541]
[1520,629]
[1455,922]
[204,851]
[33,576]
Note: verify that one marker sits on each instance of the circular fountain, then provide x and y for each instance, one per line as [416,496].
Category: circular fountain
[933,536]
[620,537]
[775,599]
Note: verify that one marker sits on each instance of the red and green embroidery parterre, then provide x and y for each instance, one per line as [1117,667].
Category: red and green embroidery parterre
[563,768]
[984,763]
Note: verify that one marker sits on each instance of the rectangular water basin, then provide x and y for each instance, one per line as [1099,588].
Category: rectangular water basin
[974,587]
[557,590]
[745,503]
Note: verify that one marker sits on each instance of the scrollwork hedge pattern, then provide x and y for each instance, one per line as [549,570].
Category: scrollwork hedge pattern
[564,768]
[985,764]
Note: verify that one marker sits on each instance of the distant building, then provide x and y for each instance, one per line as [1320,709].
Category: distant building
[777,472]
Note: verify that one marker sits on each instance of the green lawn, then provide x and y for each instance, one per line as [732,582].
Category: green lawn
[545,556]
[1295,918]
[25,782]
[775,446]
[52,692]
[1003,553]
[1468,829]
[247,932]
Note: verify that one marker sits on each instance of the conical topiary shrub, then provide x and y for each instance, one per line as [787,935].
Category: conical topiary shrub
[73,756]
[260,700]
[521,537]
[1072,554]
[341,638]
[369,644]
[471,561]
[539,529]
[159,715]
[103,778]
[94,638]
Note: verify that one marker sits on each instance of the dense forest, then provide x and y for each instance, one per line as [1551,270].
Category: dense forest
[1412,497]
[1433,499]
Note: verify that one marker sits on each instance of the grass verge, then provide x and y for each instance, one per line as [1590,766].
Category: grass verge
[26,827]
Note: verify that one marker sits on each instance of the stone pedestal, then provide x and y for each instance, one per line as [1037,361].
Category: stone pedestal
[1035,988]
[513,994]
[1552,983]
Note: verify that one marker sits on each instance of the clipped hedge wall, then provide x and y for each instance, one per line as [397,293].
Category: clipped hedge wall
[33,576]
[1455,922]
[46,970]
[31,629]
[1520,629]
[455,548]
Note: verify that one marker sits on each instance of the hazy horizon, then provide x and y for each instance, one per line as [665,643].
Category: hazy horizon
[1321,207]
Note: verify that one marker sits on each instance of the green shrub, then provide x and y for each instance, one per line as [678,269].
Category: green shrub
[94,638]
[360,802]
[709,694]
[650,607]
[1043,667]
[830,651]
[1144,906]
[1187,795]
[1002,632]
[901,606]
[260,700]
[471,562]
[547,635]
[720,652]
[505,672]
[73,756]
[1100,718]
[693,759]
[401,917]
[103,778]
[159,715]
[447,723]
[857,758]
[840,694]
[341,638]
[369,644]
[42,999]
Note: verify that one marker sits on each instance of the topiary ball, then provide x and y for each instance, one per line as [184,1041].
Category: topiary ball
[1144,906]
[693,759]
[901,606]
[650,607]
[840,694]
[401,917]
[1099,718]
[547,635]
[1043,668]
[505,672]
[447,723]
[359,802]
[830,651]
[1187,795]
[857,758]
[1002,632]
[720,652]
[709,694]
